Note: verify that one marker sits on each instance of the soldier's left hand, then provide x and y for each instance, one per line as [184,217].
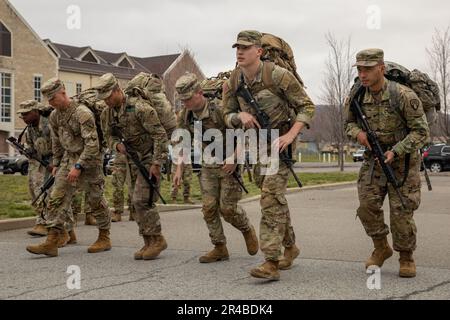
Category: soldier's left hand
[389,155]
[73,175]
[155,171]
[281,143]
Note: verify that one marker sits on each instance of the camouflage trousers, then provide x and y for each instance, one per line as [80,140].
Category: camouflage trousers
[80,204]
[220,195]
[147,217]
[187,180]
[121,174]
[92,181]
[37,174]
[275,228]
[372,190]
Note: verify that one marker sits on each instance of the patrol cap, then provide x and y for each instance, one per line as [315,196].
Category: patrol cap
[369,58]
[51,87]
[29,105]
[248,38]
[187,85]
[105,86]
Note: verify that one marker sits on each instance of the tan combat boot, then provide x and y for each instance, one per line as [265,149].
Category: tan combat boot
[290,253]
[116,217]
[49,247]
[268,270]
[219,253]
[72,237]
[407,265]
[138,254]
[103,242]
[156,245]
[188,200]
[63,238]
[251,241]
[174,199]
[38,230]
[381,253]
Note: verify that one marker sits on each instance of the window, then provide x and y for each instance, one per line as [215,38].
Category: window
[89,57]
[5,41]
[37,88]
[79,88]
[5,97]
[125,63]
[446,150]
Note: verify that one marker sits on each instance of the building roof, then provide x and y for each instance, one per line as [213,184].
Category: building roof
[70,59]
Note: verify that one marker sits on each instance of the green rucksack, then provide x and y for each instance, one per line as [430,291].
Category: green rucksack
[212,87]
[88,98]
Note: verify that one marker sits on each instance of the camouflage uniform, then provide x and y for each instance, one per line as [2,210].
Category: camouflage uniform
[220,191]
[75,140]
[140,125]
[38,140]
[402,129]
[286,100]
[121,171]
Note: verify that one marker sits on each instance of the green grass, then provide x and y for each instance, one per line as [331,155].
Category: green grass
[15,199]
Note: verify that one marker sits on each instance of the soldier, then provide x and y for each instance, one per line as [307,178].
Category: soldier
[220,190]
[38,140]
[290,110]
[78,163]
[401,133]
[121,174]
[140,126]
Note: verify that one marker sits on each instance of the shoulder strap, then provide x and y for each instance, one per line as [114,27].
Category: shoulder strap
[394,100]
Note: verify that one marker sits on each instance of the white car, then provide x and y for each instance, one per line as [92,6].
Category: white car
[358,155]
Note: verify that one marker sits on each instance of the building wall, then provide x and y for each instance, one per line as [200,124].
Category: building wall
[30,57]
[87,81]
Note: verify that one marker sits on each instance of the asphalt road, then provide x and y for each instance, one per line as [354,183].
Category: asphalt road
[330,265]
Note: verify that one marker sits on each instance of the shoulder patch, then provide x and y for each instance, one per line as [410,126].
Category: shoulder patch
[414,103]
[84,114]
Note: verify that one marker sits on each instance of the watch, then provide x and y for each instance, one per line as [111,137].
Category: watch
[78,166]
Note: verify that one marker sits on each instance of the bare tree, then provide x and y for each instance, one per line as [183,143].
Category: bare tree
[336,87]
[439,56]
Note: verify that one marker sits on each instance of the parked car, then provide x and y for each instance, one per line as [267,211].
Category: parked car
[11,165]
[358,155]
[437,157]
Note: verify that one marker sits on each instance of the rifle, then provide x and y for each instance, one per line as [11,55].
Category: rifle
[239,181]
[48,183]
[377,151]
[27,153]
[132,154]
[264,121]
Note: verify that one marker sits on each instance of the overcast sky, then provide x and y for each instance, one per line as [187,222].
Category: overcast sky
[209,27]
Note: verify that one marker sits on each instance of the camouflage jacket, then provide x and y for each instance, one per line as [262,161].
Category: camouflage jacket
[404,129]
[211,117]
[39,140]
[74,136]
[140,126]
[288,101]
[165,112]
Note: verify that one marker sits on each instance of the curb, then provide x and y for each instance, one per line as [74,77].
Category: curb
[28,222]
[22,223]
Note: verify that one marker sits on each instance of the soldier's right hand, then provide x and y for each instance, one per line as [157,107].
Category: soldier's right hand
[121,148]
[248,121]
[362,139]
[54,170]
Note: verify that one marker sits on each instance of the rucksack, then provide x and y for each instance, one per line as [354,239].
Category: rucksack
[279,52]
[426,89]
[212,87]
[150,87]
[88,98]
